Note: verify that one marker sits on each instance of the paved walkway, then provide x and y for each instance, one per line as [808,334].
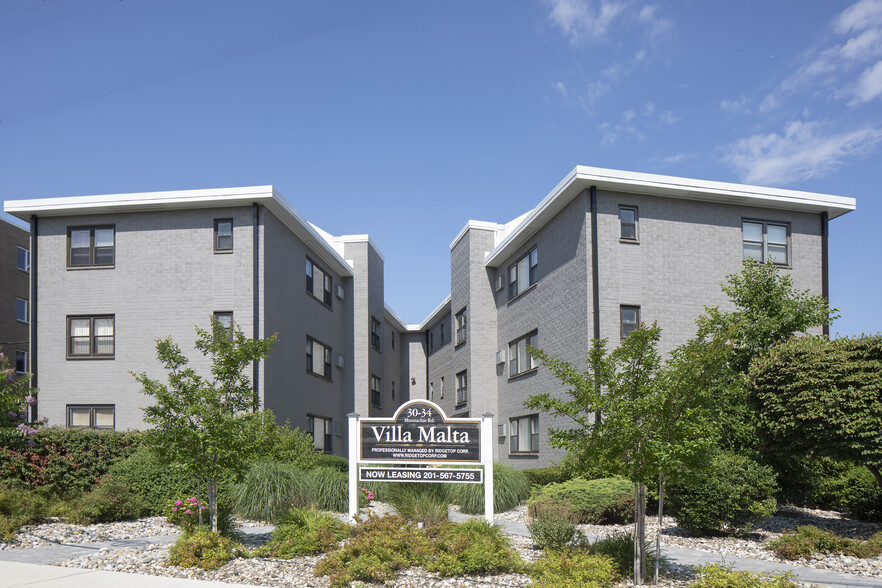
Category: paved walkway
[32,567]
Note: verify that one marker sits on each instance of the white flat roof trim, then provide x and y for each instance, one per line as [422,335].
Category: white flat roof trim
[435,313]
[474,224]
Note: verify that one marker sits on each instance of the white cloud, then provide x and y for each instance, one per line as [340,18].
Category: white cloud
[656,25]
[629,114]
[735,106]
[582,20]
[869,86]
[668,118]
[859,16]
[804,151]
[562,89]
[648,108]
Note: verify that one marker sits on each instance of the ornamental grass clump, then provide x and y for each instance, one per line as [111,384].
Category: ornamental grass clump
[423,503]
[269,489]
[510,487]
[304,531]
[810,540]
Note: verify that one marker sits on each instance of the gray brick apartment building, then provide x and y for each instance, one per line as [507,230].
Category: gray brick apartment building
[602,252]
[14,294]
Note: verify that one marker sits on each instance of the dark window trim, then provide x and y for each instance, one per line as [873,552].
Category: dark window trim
[27,254]
[622,309]
[328,437]
[91,408]
[765,241]
[465,399]
[514,433]
[376,336]
[217,235]
[635,210]
[532,278]
[326,361]
[377,392]
[92,354]
[530,370]
[224,313]
[26,309]
[461,333]
[327,290]
[91,264]
[24,361]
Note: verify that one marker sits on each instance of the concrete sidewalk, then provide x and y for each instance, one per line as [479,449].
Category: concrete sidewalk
[16,575]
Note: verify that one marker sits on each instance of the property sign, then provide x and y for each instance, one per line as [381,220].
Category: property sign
[463,476]
[420,432]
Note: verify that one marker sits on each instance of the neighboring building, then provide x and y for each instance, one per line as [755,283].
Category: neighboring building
[14,298]
[603,252]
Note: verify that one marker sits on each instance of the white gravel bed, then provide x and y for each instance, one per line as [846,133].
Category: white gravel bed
[55,532]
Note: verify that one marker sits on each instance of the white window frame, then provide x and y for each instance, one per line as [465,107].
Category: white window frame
[517,283]
[517,351]
[626,328]
[765,245]
[462,333]
[316,349]
[532,423]
[376,334]
[316,273]
[21,310]
[325,443]
[462,388]
[623,225]
[92,409]
[23,259]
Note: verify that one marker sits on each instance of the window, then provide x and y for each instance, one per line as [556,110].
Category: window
[23,259]
[628,223]
[431,341]
[21,310]
[462,388]
[522,274]
[442,334]
[525,434]
[519,360]
[393,389]
[318,282]
[320,429]
[763,240]
[376,334]
[21,362]
[83,416]
[90,246]
[223,234]
[461,326]
[90,336]
[441,389]
[630,319]
[376,392]
[318,358]
[226,321]
[431,390]
[393,339]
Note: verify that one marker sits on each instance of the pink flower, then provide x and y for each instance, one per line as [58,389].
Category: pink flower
[178,502]
[187,511]
[174,509]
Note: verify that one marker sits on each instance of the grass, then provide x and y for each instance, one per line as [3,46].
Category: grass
[269,489]
[810,540]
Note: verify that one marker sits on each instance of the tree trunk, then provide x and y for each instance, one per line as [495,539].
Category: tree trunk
[875,471]
[639,533]
[212,503]
[199,497]
[661,505]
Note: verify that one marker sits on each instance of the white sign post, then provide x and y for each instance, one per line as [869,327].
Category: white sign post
[420,433]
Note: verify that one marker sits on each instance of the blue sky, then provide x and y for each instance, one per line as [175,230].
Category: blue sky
[406,119]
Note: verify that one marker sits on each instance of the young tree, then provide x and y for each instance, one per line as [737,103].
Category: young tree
[820,397]
[205,426]
[15,402]
[655,423]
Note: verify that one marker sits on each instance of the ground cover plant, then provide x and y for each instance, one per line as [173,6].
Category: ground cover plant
[18,506]
[716,576]
[110,500]
[203,549]
[474,547]
[304,531]
[552,525]
[810,540]
[597,502]
[619,547]
[573,568]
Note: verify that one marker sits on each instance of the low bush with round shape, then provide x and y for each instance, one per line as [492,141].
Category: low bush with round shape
[599,502]
[731,497]
[304,531]
[474,547]
[539,477]
[109,501]
[510,487]
[203,549]
[809,540]
[573,568]
[552,525]
[154,482]
[717,576]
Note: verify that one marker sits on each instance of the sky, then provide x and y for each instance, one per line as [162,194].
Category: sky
[406,119]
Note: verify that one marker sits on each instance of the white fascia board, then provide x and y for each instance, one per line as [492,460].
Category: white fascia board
[581,178]
[362,239]
[435,314]
[473,224]
[25,228]
[394,318]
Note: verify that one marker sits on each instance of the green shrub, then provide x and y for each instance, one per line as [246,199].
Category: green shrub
[510,487]
[810,540]
[716,576]
[734,494]
[474,547]
[573,568]
[304,532]
[856,490]
[324,460]
[328,489]
[420,502]
[619,547]
[378,549]
[68,461]
[18,506]
[546,476]
[281,443]
[602,501]
[269,489]
[154,482]
[552,525]
[202,549]
[109,501]
[184,512]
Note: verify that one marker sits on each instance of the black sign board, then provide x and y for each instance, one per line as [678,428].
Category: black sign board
[420,432]
[449,475]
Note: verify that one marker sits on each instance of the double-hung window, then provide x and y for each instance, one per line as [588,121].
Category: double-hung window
[21,362]
[223,235]
[318,282]
[525,434]
[90,336]
[90,246]
[23,259]
[462,388]
[376,334]
[522,274]
[461,326]
[628,223]
[318,358]
[21,310]
[629,319]
[376,392]
[321,431]
[225,318]
[519,359]
[766,240]
[84,416]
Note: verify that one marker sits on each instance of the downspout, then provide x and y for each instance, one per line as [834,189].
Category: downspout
[255,302]
[825,264]
[32,326]
[427,366]
[595,272]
